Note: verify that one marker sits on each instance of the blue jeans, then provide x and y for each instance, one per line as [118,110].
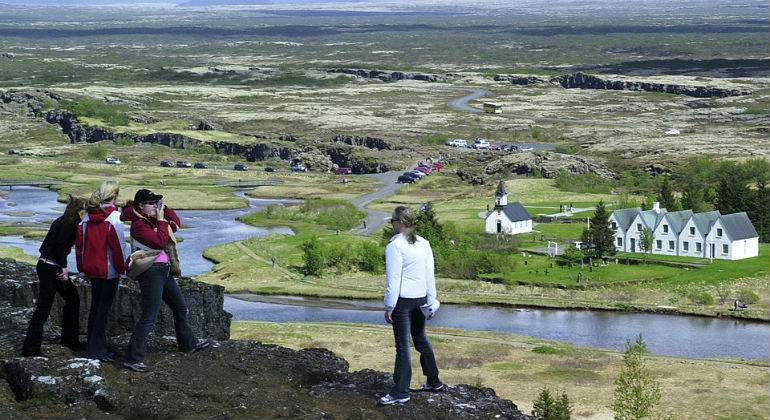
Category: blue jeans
[409,320]
[102,294]
[158,286]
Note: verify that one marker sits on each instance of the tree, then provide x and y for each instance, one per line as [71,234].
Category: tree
[313,256]
[646,238]
[759,207]
[600,237]
[636,391]
[733,194]
[546,407]
[666,195]
[573,255]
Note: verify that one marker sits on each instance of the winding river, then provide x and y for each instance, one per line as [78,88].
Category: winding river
[665,334]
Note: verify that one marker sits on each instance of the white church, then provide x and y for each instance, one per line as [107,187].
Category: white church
[505,218]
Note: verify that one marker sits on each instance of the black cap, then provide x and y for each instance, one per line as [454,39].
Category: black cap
[144,195]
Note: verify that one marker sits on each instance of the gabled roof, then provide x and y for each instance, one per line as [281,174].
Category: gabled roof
[704,221]
[516,212]
[652,218]
[500,188]
[625,217]
[678,219]
[738,226]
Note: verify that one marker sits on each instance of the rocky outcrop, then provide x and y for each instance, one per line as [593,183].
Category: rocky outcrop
[233,379]
[390,76]
[360,163]
[587,81]
[519,80]
[34,100]
[548,164]
[366,141]
[204,125]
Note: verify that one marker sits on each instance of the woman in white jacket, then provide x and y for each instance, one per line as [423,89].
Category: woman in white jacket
[410,285]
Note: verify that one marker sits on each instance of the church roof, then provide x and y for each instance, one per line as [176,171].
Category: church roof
[500,188]
[516,212]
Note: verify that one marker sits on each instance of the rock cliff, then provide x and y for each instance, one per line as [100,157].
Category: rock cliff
[390,76]
[587,81]
[234,379]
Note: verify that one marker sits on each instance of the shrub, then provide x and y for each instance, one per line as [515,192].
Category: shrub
[108,113]
[334,214]
[371,258]
[573,255]
[748,296]
[123,140]
[313,256]
[547,350]
[339,256]
[97,151]
[547,407]
[701,298]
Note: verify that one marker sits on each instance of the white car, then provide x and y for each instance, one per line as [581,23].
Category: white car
[112,161]
[481,144]
[457,143]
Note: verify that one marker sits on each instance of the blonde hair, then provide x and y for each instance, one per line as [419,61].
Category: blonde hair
[408,220]
[106,193]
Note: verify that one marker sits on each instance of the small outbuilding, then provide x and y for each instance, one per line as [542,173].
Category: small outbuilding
[493,108]
[507,218]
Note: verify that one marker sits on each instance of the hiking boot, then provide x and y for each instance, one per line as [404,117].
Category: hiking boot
[389,399]
[136,367]
[200,345]
[430,388]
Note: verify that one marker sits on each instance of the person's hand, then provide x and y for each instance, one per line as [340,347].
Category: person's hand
[161,214]
[388,316]
[63,274]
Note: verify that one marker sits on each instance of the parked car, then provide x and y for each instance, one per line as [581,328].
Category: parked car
[270,169]
[426,169]
[480,144]
[457,143]
[112,161]
[166,164]
[526,149]
[241,167]
[183,164]
[407,179]
[438,166]
[344,170]
[416,173]
[298,168]
[495,146]
[200,165]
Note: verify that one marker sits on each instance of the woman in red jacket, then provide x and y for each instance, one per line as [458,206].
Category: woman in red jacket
[152,225]
[100,251]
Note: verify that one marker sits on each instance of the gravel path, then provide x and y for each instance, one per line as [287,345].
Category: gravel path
[375,218]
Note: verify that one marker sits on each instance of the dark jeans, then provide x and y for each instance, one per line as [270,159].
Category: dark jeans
[408,318]
[102,294]
[158,286]
[49,286]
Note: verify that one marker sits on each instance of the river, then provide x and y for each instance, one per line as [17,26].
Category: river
[665,334]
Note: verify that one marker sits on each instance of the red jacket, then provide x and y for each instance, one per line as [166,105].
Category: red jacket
[151,232]
[99,246]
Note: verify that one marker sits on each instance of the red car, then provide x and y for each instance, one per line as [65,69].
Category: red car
[424,169]
[438,166]
[344,171]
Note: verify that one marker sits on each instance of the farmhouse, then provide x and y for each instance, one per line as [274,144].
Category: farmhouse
[510,219]
[684,233]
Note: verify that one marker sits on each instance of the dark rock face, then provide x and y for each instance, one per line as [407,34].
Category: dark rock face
[587,81]
[346,156]
[390,76]
[548,164]
[519,80]
[33,100]
[232,379]
[366,141]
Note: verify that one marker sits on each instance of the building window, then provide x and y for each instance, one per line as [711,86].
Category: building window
[670,245]
[698,247]
[719,232]
[659,244]
[638,227]
[665,228]
[614,226]
[692,231]
[620,241]
[725,248]
[686,246]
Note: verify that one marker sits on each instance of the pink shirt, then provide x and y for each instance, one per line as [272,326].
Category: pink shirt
[162,258]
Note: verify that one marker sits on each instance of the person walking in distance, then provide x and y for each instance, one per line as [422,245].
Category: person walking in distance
[54,278]
[410,285]
[100,250]
[152,229]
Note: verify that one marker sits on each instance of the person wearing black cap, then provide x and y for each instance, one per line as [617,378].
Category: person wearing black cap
[152,229]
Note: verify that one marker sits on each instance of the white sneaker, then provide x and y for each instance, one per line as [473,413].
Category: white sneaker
[426,387]
[389,399]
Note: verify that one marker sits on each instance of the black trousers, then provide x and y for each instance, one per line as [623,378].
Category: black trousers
[50,285]
[409,320]
[158,287]
[102,294]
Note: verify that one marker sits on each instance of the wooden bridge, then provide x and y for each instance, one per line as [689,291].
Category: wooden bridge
[28,183]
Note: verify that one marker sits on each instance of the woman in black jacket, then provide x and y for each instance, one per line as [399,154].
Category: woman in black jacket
[54,278]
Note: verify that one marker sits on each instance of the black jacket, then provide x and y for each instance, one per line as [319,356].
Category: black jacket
[59,241]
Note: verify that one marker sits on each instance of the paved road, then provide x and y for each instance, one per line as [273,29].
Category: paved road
[375,218]
[461,104]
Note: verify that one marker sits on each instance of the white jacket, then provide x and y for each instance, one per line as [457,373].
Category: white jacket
[409,270]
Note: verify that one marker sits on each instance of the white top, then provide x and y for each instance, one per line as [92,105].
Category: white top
[408,270]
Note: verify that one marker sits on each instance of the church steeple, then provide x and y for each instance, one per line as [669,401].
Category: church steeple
[501,197]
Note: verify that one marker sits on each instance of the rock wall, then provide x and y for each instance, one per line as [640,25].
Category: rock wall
[366,141]
[390,76]
[587,81]
[519,80]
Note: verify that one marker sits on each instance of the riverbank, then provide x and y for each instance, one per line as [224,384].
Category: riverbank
[517,367]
